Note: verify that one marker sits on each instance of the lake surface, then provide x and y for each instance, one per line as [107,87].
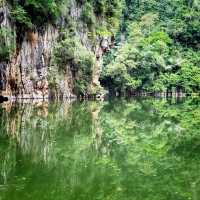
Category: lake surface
[145,149]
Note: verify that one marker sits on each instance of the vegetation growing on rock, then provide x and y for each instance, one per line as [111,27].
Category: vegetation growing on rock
[70,53]
[7,44]
[157,42]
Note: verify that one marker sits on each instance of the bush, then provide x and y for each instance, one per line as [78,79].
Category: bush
[7,44]
[109,13]
[69,52]
[35,12]
[20,16]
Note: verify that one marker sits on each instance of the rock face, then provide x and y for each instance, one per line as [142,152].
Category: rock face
[29,68]
[26,74]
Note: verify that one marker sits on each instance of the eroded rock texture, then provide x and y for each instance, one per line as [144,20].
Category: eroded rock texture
[25,75]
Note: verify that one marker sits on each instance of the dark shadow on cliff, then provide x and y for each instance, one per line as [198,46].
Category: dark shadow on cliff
[2,99]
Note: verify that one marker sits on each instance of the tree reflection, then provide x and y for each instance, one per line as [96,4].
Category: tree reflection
[121,149]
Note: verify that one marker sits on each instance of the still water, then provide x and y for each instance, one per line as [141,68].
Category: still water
[146,149]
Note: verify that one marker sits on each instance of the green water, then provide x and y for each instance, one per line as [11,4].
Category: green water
[116,150]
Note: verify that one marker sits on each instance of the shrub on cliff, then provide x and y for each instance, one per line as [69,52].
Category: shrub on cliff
[109,12]
[88,15]
[7,44]
[35,12]
[69,53]
[21,17]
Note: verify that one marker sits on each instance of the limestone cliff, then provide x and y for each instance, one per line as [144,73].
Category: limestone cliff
[25,74]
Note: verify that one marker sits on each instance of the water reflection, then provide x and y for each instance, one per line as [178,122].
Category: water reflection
[122,149]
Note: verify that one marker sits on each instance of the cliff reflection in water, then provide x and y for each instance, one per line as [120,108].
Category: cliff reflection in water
[123,149]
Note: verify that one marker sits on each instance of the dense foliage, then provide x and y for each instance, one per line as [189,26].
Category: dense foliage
[161,52]
[95,13]
[37,12]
